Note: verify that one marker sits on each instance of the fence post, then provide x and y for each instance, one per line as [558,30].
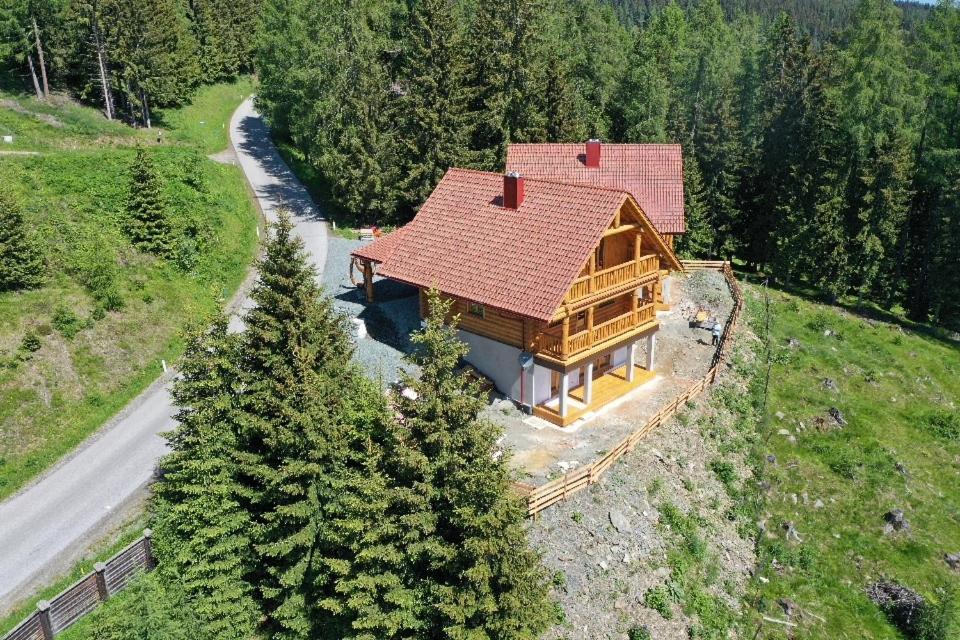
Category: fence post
[149,562]
[43,609]
[98,572]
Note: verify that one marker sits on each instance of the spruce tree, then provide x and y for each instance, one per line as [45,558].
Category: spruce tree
[311,437]
[21,261]
[147,223]
[201,532]
[466,550]
[433,104]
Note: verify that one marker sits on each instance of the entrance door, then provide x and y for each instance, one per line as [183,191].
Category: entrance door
[601,365]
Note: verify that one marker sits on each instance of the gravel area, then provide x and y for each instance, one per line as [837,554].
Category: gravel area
[382,328]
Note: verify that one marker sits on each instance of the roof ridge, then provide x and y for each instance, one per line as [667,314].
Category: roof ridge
[565,183]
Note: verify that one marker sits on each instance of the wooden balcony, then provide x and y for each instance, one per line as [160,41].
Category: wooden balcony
[551,341]
[612,277]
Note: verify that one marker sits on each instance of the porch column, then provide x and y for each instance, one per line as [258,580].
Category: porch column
[532,399]
[631,360]
[651,349]
[588,385]
[564,392]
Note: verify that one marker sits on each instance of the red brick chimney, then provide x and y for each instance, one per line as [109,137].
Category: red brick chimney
[512,190]
[593,153]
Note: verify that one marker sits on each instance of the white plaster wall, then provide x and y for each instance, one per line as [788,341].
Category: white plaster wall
[499,362]
[620,356]
[541,384]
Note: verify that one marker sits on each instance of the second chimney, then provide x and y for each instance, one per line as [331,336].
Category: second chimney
[512,190]
[593,153]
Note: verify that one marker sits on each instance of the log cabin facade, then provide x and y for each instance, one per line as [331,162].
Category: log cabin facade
[555,285]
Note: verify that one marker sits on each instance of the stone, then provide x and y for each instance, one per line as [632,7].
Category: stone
[896,521]
[789,606]
[603,565]
[827,332]
[772,459]
[794,343]
[783,432]
[901,469]
[620,522]
[792,533]
[830,384]
[901,605]
[780,415]
[837,416]
[627,559]
[792,439]
[952,560]
[818,504]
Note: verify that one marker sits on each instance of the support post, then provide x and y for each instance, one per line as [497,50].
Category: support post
[150,562]
[631,360]
[651,349]
[565,336]
[98,572]
[368,279]
[533,386]
[590,325]
[564,393]
[43,607]
[588,385]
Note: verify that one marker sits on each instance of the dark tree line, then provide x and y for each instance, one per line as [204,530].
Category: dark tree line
[823,157]
[126,57]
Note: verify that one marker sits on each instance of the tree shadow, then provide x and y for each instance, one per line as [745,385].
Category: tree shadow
[391,317]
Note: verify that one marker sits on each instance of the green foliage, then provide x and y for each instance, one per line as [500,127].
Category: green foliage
[150,608]
[66,322]
[201,534]
[727,475]
[148,223]
[942,424]
[21,262]
[30,342]
[658,599]
[639,633]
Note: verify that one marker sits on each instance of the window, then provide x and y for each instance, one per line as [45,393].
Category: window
[476,310]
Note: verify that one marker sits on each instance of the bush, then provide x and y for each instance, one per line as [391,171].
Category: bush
[726,474]
[658,599]
[639,633]
[66,322]
[30,342]
[942,424]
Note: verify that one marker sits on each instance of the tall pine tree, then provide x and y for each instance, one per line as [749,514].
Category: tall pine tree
[201,532]
[21,261]
[465,544]
[148,218]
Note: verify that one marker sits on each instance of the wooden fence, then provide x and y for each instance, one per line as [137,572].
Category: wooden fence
[85,595]
[539,498]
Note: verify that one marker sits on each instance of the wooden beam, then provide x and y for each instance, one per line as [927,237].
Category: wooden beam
[622,228]
[368,279]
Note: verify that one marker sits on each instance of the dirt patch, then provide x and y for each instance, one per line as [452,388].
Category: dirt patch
[46,118]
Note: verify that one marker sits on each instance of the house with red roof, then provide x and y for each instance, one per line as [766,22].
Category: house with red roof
[651,173]
[555,283]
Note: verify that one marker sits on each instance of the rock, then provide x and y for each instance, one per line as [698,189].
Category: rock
[627,559]
[804,497]
[780,415]
[837,416]
[902,469]
[783,432]
[772,459]
[827,332]
[794,343]
[818,504]
[952,560]
[830,384]
[792,439]
[620,522]
[789,606]
[792,533]
[603,565]
[902,606]
[895,521]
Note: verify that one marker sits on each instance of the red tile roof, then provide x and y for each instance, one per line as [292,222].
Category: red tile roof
[652,173]
[466,244]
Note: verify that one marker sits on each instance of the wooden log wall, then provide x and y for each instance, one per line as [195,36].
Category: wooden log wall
[549,494]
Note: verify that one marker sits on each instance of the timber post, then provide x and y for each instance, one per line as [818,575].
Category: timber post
[368,279]
[43,607]
[98,572]
[149,561]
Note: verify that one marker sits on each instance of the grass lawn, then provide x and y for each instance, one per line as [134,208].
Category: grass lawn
[896,385]
[93,360]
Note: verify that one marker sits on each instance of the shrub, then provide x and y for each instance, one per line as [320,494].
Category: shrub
[30,342]
[639,633]
[66,322]
[726,474]
[818,322]
[942,424]
[658,599]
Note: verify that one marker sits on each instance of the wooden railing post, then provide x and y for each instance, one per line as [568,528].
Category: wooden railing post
[149,561]
[565,337]
[98,572]
[590,325]
[43,610]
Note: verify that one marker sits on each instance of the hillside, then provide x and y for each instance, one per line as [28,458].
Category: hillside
[74,351]
[895,386]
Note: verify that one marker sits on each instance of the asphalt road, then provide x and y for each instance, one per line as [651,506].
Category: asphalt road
[46,527]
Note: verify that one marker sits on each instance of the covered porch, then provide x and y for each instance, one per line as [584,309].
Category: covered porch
[592,384]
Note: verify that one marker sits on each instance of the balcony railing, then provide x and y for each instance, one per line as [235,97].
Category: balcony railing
[612,277]
[551,343]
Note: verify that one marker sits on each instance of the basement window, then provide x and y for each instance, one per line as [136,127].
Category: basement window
[476,310]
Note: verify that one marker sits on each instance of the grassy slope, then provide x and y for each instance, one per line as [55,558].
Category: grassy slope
[73,194]
[890,377]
